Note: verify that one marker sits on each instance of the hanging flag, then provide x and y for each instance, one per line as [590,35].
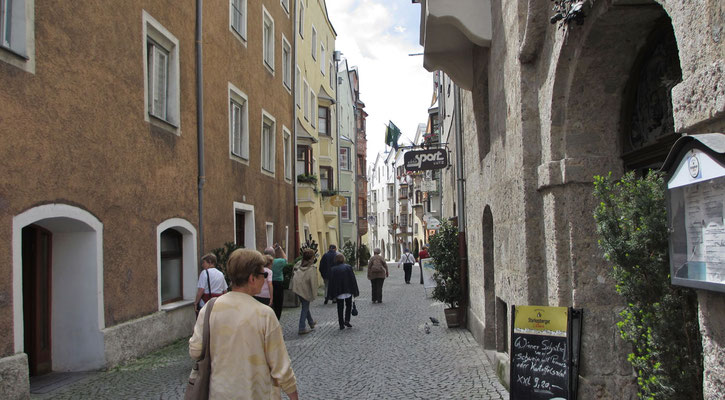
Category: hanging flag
[392,135]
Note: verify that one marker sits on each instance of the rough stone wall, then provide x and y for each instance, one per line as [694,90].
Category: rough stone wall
[543,118]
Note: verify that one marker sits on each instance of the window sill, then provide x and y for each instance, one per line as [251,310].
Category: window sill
[163,124]
[269,67]
[176,305]
[15,53]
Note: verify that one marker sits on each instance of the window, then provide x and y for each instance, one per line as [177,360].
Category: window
[287,143]
[322,59]
[268,39]
[298,92]
[313,43]
[304,160]
[302,19]
[403,219]
[332,76]
[391,190]
[323,120]
[345,158]
[171,266]
[238,17]
[15,37]
[285,5]
[244,234]
[307,100]
[161,55]
[345,210]
[286,63]
[313,108]
[326,178]
[268,132]
[238,123]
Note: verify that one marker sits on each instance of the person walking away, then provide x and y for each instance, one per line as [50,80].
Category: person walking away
[304,284]
[249,359]
[422,254]
[211,282]
[280,261]
[377,272]
[407,260]
[265,294]
[326,262]
[343,287]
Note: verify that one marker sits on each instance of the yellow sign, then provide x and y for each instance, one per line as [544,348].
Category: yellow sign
[337,200]
[540,318]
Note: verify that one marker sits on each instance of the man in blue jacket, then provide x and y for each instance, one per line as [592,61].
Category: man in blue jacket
[326,263]
[343,287]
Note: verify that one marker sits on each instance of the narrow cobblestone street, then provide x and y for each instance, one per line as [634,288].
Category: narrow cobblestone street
[386,355]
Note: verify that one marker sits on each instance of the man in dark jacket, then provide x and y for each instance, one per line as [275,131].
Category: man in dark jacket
[326,263]
[343,287]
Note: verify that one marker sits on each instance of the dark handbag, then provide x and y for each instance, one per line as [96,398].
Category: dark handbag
[198,386]
[354,309]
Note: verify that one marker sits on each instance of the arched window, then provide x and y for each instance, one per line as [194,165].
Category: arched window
[171,266]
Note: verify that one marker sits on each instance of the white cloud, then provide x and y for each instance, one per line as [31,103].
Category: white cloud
[393,85]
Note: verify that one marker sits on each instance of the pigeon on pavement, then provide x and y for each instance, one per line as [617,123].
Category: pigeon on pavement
[434,321]
[427,328]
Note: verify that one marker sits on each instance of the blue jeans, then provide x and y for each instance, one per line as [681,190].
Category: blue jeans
[305,313]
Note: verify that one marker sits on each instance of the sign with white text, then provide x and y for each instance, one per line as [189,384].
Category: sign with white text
[422,160]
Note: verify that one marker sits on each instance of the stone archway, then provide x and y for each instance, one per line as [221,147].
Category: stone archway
[489,282]
[76,285]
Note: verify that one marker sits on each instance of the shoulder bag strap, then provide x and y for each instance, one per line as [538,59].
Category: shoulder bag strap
[208,282]
[205,351]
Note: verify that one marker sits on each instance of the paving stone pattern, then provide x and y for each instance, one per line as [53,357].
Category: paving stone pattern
[385,355]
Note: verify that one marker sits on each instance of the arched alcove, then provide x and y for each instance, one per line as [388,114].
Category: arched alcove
[58,249]
[489,282]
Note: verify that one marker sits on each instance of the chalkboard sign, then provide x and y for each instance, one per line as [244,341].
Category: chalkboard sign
[541,354]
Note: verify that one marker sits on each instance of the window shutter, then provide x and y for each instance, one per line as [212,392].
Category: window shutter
[160,65]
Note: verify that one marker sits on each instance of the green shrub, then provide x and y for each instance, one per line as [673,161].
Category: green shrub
[307,178]
[660,320]
[348,250]
[222,256]
[443,248]
[363,254]
[287,272]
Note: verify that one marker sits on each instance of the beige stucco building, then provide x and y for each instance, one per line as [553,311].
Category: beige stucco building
[544,107]
[117,176]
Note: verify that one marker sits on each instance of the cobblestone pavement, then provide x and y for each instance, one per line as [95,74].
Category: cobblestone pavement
[386,355]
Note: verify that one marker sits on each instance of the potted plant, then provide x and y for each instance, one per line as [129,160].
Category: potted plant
[443,249]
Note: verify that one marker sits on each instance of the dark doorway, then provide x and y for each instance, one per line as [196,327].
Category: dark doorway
[37,279]
[239,227]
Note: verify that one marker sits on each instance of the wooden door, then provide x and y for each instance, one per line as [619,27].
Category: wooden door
[37,278]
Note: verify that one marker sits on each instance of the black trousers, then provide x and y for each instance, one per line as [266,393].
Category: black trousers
[277,297]
[347,304]
[408,268]
[377,285]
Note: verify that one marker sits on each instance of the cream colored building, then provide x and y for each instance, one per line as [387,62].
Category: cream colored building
[316,124]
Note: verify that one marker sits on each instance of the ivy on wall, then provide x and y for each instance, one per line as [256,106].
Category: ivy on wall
[660,320]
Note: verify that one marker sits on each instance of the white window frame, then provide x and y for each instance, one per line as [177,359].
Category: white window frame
[287,147]
[155,32]
[298,92]
[306,98]
[313,108]
[250,238]
[286,64]
[267,40]
[285,5]
[241,31]
[322,59]
[268,146]
[241,99]
[313,43]
[17,33]
[346,166]
[189,260]
[345,207]
[301,30]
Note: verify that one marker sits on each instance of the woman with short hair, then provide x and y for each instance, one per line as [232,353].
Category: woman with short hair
[304,284]
[377,272]
[249,358]
[343,287]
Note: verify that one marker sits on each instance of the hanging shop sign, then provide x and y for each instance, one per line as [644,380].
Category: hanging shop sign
[428,186]
[696,211]
[337,201]
[545,344]
[422,160]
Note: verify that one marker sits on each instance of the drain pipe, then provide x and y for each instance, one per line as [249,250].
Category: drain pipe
[295,93]
[200,122]
[462,251]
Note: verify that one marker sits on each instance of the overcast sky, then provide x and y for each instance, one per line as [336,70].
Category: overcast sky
[377,36]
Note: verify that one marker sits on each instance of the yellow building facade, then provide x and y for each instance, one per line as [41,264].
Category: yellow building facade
[316,125]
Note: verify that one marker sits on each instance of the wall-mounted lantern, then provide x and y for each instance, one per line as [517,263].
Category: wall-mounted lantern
[696,211]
